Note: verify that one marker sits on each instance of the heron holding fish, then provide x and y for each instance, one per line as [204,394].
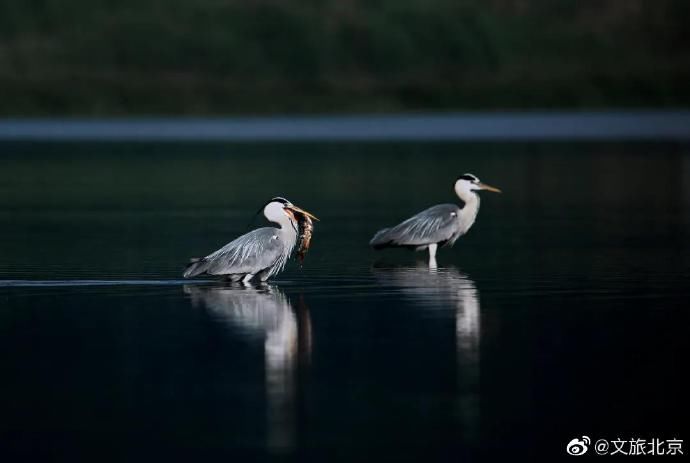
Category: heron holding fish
[261,253]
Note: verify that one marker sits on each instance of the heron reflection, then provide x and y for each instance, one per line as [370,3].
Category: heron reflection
[266,312]
[448,287]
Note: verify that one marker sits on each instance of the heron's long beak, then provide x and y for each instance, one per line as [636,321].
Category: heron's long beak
[484,186]
[294,208]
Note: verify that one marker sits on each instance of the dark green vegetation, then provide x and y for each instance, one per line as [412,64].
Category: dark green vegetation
[101,57]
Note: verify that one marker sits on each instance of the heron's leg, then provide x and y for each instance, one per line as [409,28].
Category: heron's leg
[432,255]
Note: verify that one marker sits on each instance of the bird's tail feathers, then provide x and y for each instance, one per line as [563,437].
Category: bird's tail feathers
[380,239]
[195,267]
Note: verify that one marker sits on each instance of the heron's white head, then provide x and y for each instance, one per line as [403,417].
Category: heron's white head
[468,183]
[282,211]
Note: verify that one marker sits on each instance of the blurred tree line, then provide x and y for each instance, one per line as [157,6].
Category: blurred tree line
[112,57]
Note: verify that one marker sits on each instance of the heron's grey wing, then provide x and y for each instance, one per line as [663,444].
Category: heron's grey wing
[438,224]
[250,253]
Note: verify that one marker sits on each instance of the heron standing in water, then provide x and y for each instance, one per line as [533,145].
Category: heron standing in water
[261,253]
[440,225]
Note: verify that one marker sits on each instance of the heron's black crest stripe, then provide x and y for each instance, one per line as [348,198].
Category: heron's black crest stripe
[277,199]
[468,177]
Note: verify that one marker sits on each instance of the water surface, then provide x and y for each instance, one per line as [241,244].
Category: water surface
[561,313]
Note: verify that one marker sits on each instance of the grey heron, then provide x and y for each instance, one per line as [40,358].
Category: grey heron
[439,225]
[261,253]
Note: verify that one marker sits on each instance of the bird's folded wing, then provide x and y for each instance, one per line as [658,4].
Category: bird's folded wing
[250,253]
[434,225]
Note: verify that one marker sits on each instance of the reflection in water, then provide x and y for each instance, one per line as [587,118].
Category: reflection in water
[447,287]
[266,311]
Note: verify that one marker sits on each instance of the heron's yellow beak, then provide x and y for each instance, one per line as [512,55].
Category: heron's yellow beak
[484,186]
[294,208]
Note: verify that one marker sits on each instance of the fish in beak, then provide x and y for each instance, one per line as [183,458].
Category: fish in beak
[294,209]
[304,228]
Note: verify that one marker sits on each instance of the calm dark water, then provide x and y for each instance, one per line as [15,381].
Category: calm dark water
[562,313]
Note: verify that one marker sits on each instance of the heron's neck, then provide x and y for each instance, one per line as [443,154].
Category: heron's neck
[469,212]
[287,227]
[288,230]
